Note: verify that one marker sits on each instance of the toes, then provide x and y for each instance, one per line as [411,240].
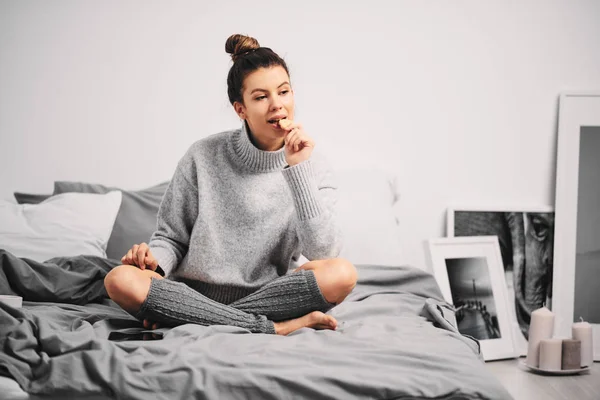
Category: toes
[332,322]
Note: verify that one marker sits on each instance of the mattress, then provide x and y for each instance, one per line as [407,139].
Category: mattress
[385,346]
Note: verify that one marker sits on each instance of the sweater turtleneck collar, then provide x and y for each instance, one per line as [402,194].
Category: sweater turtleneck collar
[254,158]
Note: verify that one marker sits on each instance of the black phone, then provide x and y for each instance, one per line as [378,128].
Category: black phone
[123,336]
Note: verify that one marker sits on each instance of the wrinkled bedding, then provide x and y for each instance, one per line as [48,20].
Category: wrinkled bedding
[57,345]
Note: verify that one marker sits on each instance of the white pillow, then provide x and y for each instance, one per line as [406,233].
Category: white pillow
[64,225]
[367,200]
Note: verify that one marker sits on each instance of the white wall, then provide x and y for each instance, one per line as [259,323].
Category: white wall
[458,98]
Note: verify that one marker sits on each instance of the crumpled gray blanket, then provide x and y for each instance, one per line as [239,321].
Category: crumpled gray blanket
[57,345]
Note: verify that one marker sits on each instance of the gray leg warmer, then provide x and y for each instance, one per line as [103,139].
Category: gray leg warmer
[174,303]
[290,296]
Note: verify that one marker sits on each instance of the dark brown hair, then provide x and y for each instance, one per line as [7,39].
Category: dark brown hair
[247,56]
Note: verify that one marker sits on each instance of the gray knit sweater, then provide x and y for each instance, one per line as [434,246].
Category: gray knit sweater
[234,217]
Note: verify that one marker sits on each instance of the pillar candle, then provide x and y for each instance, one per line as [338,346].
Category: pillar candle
[13,301]
[541,327]
[551,354]
[571,354]
[582,331]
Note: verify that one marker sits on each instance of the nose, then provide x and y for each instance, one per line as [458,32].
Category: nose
[276,103]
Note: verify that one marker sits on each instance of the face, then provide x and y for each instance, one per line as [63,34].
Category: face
[268,97]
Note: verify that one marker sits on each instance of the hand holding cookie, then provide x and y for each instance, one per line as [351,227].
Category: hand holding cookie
[298,145]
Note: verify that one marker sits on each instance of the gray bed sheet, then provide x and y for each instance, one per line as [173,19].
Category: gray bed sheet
[383,348]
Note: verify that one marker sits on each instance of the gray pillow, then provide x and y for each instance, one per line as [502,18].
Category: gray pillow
[136,220]
[30,198]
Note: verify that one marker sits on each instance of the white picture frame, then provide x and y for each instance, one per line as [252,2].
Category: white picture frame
[461,266]
[486,220]
[577,240]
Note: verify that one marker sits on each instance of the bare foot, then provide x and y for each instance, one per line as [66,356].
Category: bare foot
[315,319]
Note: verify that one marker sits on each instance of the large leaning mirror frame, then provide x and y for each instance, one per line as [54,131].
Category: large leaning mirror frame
[576,287]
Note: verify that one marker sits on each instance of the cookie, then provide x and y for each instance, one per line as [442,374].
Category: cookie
[285,123]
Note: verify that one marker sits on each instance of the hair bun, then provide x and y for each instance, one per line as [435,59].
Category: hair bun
[237,44]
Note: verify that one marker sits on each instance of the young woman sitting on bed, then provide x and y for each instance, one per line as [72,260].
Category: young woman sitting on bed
[240,209]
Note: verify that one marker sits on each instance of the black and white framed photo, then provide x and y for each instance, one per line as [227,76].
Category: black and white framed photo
[577,250]
[470,275]
[526,240]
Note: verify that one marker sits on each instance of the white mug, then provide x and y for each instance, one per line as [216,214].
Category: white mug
[13,301]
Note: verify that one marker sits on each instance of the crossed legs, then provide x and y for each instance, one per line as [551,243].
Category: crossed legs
[282,306]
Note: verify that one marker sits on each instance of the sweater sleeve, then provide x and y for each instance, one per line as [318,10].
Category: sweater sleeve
[176,218]
[315,196]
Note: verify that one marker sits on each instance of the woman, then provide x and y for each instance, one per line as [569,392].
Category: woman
[241,208]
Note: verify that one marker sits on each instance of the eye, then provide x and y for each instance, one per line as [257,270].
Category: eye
[540,228]
[284,92]
[260,97]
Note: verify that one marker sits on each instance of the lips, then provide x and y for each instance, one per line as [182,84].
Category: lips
[276,119]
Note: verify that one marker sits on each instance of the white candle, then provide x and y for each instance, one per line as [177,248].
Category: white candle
[551,354]
[582,331]
[13,301]
[541,327]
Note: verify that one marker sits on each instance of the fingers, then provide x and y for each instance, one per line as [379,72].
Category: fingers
[289,125]
[296,140]
[298,145]
[128,258]
[134,254]
[290,139]
[138,255]
[151,262]
[299,142]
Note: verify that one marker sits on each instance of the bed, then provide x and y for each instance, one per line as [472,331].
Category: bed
[395,338]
